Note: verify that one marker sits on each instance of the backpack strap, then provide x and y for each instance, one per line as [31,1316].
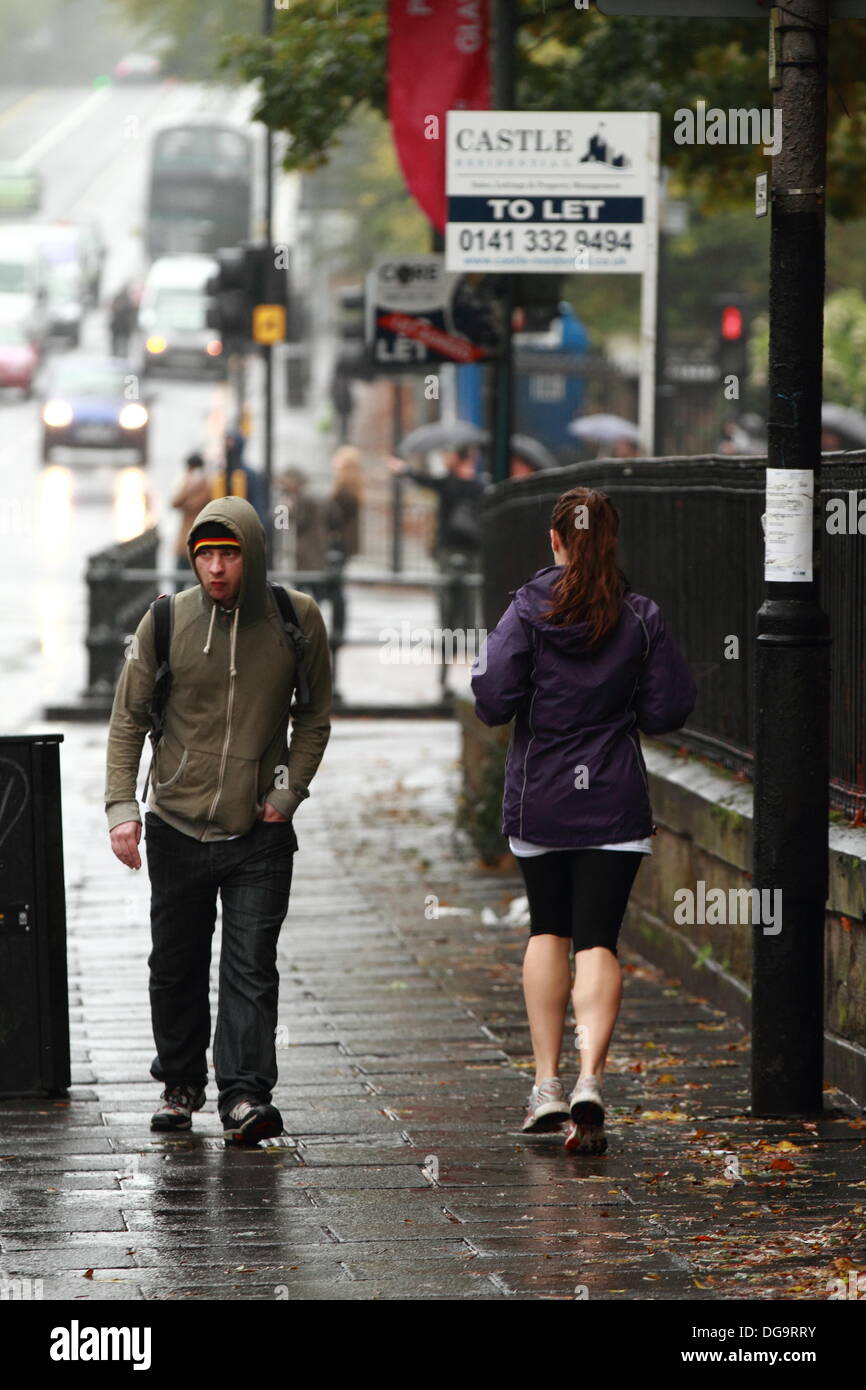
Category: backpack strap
[162,614]
[296,636]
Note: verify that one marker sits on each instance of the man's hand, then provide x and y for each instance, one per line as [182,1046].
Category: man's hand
[270,812]
[125,840]
[395,464]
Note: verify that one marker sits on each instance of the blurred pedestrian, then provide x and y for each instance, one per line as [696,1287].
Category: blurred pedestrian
[191,494]
[306,528]
[122,319]
[342,399]
[342,527]
[237,479]
[580,662]
[458,530]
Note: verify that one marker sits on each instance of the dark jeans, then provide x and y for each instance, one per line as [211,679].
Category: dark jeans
[253,876]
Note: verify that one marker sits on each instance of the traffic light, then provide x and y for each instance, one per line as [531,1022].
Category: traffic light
[268,284]
[350,313]
[230,310]
[733,337]
[354,358]
[249,294]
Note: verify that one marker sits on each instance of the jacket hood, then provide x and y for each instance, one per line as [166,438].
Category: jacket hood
[536,595]
[241,519]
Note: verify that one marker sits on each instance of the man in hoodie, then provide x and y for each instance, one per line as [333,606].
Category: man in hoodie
[224,786]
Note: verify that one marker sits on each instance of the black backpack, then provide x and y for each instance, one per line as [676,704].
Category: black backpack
[162,610]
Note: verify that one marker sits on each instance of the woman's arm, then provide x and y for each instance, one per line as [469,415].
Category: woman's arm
[502,672]
[667,693]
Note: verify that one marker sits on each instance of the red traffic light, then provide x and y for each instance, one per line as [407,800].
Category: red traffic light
[732,323]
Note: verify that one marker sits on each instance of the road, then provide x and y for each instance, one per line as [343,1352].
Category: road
[90,146]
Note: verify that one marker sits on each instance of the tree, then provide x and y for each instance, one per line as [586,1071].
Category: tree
[327,61]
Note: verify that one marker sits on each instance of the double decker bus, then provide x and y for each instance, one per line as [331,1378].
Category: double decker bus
[200,188]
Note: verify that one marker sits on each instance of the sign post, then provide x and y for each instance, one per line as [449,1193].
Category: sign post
[790,868]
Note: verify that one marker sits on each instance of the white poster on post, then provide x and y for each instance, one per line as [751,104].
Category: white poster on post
[788,525]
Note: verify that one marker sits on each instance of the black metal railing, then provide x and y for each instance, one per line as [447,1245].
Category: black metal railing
[116,607]
[691,538]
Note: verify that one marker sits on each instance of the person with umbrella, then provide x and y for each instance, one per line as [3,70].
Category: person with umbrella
[616,437]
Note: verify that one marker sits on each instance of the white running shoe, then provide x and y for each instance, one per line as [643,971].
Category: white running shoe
[547,1108]
[586,1132]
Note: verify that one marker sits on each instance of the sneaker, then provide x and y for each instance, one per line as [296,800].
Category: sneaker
[586,1132]
[178,1103]
[547,1107]
[247,1123]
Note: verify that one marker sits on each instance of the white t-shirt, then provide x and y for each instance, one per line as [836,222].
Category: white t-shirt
[525,850]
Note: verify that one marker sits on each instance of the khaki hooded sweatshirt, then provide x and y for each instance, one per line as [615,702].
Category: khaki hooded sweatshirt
[224,750]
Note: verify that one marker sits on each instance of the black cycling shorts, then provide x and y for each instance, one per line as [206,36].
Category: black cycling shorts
[581,893]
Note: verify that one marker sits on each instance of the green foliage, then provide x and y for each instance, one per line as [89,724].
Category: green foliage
[479,813]
[329,57]
[325,63]
[844,349]
[371,187]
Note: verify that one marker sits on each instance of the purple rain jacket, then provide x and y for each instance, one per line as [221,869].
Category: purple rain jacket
[574,709]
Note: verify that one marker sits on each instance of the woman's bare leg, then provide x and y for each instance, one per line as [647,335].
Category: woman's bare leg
[546,987]
[597,996]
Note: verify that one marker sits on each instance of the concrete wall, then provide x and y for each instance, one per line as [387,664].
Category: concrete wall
[704,820]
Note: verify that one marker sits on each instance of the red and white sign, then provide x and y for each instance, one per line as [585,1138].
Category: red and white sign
[437,62]
[446,344]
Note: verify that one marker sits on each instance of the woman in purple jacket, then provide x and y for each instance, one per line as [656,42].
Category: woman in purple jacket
[581,663]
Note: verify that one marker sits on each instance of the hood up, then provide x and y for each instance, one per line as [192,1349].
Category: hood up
[241,519]
[536,595]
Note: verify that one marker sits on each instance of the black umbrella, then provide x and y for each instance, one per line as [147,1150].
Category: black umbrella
[533,452]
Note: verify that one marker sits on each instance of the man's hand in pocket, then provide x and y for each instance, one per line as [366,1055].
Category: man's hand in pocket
[270,812]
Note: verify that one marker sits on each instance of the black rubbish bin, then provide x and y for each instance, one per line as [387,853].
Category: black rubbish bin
[34,1005]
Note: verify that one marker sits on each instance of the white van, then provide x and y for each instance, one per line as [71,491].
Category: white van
[22,283]
[173,335]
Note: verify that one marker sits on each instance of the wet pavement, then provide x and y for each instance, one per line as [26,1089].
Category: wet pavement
[404,1070]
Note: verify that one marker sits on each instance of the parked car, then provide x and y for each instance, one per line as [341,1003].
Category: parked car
[18,357]
[86,406]
[173,335]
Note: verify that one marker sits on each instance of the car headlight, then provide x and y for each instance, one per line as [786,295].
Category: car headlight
[156,344]
[57,414]
[132,416]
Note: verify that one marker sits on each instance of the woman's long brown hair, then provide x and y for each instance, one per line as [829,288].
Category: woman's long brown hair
[591,586]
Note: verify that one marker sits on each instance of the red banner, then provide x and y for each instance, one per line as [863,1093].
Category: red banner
[437,62]
[450,346]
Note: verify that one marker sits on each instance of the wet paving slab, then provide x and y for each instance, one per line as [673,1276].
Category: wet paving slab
[404,1068]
